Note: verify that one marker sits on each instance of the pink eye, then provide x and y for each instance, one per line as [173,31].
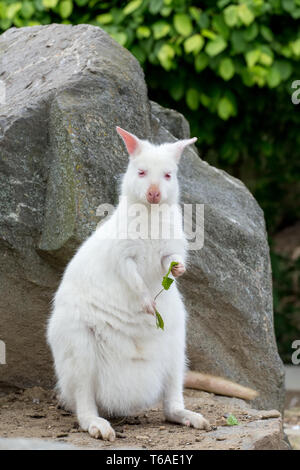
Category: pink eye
[168,176]
[142,173]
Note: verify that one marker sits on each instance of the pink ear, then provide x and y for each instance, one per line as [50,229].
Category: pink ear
[131,141]
[180,146]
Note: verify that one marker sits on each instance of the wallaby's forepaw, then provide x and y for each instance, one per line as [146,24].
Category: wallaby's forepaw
[101,429]
[178,270]
[189,418]
[149,306]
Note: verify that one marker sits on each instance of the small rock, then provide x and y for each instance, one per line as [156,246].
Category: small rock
[121,435]
[161,428]
[269,414]
[221,438]
[62,435]
[142,437]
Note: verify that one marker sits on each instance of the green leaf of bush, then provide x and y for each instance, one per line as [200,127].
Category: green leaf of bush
[50,3]
[183,24]
[215,46]
[201,62]
[226,68]
[65,8]
[165,55]
[245,14]
[231,15]
[194,44]
[192,99]
[160,29]
[132,6]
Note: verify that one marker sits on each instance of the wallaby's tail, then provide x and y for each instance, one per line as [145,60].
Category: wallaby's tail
[218,385]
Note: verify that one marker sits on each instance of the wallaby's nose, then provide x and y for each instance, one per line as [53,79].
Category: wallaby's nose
[153,194]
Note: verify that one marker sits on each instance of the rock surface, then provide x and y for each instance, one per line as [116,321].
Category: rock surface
[60,157]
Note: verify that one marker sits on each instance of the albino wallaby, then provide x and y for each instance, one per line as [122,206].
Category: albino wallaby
[110,358]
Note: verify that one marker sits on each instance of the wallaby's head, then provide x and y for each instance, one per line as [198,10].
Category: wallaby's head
[151,176]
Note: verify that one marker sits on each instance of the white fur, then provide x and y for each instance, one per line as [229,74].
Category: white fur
[110,359]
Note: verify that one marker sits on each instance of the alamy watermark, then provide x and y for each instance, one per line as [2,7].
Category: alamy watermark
[296,354]
[2,92]
[156,222]
[296,93]
[2,352]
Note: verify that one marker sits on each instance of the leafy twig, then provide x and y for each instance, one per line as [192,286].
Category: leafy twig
[166,283]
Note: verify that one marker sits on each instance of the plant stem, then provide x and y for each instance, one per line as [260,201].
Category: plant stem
[158,293]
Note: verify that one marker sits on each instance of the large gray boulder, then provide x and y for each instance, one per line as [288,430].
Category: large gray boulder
[67,87]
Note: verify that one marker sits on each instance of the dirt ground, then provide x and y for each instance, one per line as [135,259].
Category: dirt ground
[35,413]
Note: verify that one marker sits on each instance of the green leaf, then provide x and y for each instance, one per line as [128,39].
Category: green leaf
[215,46]
[231,15]
[177,90]
[143,32]
[194,44]
[167,282]
[138,52]
[252,57]
[159,320]
[50,3]
[239,45]
[192,99]
[201,62]
[284,67]
[288,5]
[226,68]
[120,37]
[231,420]
[266,56]
[219,25]
[251,32]
[105,18]
[205,100]
[295,46]
[27,10]
[155,6]
[273,77]
[266,33]
[226,107]
[183,24]
[65,8]
[165,55]
[195,13]
[160,29]
[245,14]
[206,33]
[12,10]
[132,6]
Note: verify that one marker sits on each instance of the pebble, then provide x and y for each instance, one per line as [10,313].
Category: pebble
[142,437]
[269,414]
[161,428]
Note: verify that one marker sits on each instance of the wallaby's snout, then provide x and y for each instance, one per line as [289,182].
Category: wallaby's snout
[153,194]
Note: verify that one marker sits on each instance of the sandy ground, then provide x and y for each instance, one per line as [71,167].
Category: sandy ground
[35,413]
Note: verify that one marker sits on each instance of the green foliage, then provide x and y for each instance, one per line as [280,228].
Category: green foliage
[227,65]
[159,321]
[286,274]
[166,283]
[231,420]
